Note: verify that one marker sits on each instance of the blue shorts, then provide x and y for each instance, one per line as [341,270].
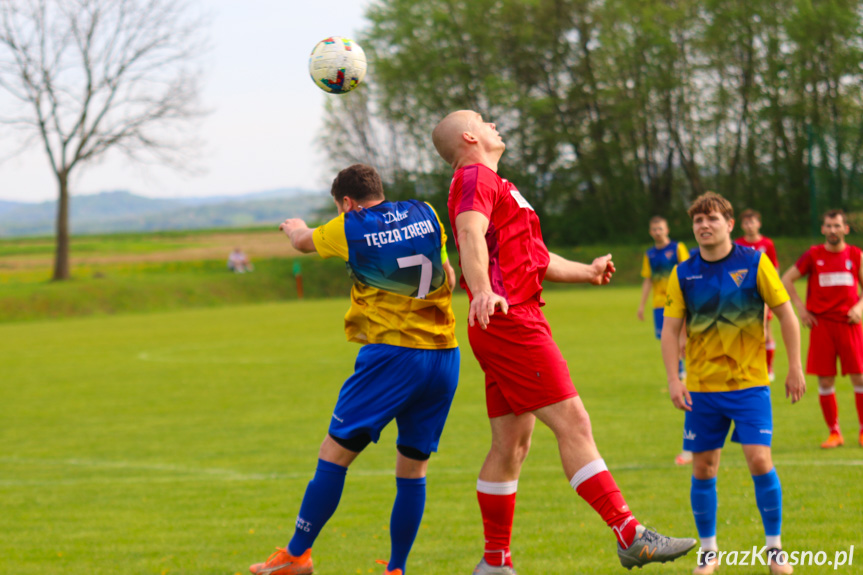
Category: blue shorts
[706,426]
[413,386]
[657,321]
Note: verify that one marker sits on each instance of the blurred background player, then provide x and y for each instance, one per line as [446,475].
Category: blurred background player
[655,268]
[832,312]
[721,293]
[407,369]
[504,262]
[750,223]
[239,262]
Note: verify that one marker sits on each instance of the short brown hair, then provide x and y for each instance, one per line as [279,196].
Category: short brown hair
[835,214]
[657,219]
[750,213]
[711,202]
[358,182]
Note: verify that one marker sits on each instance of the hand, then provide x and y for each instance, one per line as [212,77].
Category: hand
[482,307]
[640,313]
[603,268]
[795,384]
[807,319]
[292,224]
[679,395]
[854,315]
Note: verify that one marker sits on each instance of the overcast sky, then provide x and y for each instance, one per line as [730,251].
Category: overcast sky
[266,112]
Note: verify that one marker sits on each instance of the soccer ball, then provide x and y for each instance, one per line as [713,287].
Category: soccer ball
[337,65]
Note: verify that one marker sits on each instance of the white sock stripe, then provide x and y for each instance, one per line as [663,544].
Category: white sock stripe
[773,541]
[593,468]
[771,345]
[492,488]
[826,390]
[858,389]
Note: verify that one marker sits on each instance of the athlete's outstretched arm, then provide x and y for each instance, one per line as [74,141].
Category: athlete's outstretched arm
[300,234]
[855,314]
[790,276]
[646,286]
[680,397]
[471,228]
[565,271]
[450,274]
[795,383]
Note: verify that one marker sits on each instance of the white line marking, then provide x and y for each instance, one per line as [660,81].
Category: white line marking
[183,474]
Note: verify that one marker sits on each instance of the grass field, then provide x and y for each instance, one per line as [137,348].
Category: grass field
[166,271]
[181,443]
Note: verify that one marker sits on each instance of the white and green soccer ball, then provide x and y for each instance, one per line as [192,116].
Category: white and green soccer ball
[337,65]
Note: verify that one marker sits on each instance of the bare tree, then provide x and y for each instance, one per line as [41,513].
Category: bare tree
[97,75]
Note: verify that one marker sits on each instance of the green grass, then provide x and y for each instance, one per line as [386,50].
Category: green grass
[151,287]
[145,286]
[182,442]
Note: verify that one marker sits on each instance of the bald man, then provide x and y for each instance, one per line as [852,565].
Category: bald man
[504,262]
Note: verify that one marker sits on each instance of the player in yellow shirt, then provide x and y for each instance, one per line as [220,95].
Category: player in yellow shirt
[407,369]
[656,266]
[721,292]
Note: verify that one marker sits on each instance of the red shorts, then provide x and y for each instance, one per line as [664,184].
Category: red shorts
[829,339]
[524,369]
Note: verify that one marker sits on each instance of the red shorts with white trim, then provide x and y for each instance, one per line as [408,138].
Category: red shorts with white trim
[830,339]
[524,369]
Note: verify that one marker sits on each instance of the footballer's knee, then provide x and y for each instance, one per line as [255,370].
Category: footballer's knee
[333,451]
[411,463]
[705,464]
[760,461]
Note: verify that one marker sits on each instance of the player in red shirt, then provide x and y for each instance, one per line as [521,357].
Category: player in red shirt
[504,262]
[833,312]
[750,221]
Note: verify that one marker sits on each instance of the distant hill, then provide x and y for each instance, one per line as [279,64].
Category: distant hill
[123,211]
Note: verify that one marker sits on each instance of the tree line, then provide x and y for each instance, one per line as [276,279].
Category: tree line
[616,110]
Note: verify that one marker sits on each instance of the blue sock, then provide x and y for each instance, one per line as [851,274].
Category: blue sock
[319,503]
[702,495]
[681,367]
[405,519]
[768,496]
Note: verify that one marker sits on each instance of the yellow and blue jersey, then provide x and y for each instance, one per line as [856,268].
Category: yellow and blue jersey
[394,253]
[657,265]
[723,303]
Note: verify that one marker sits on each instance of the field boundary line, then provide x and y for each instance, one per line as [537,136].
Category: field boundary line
[182,473]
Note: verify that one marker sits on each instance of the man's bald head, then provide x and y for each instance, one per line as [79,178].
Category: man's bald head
[448,134]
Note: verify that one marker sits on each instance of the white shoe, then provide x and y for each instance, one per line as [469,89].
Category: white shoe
[483,568]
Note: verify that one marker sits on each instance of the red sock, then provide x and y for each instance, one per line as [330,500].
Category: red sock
[770,354]
[858,397]
[602,493]
[830,410]
[498,509]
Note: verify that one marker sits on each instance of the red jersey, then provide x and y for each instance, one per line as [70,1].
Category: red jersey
[517,256]
[764,245]
[833,281]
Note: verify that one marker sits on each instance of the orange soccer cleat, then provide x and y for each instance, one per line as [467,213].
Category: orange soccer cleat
[835,440]
[283,563]
[683,458]
[861,438]
[393,572]
[777,559]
